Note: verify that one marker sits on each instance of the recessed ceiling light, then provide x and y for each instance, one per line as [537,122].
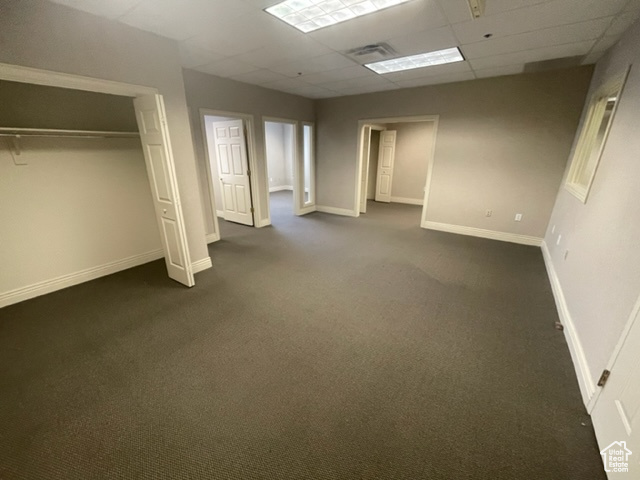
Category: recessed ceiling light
[439,57]
[310,15]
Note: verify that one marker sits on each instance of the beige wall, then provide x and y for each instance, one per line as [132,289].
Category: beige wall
[502,144]
[210,92]
[78,203]
[413,148]
[600,277]
[39,34]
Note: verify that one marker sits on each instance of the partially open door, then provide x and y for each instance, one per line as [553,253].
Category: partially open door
[305,176]
[233,168]
[386,159]
[156,145]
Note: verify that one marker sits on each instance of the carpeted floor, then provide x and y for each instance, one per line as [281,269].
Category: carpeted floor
[323,347]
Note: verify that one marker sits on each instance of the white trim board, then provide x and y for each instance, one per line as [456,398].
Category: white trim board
[71,279]
[408,201]
[587,388]
[336,211]
[202,264]
[280,188]
[220,213]
[212,237]
[480,232]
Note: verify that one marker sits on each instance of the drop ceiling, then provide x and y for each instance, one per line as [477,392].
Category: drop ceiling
[237,39]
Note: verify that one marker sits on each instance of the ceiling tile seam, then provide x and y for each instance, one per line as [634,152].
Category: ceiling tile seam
[532,49]
[604,34]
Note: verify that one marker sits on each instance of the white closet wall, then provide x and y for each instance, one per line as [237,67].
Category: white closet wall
[278,139]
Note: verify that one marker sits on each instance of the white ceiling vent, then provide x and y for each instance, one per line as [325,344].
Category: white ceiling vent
[371,53]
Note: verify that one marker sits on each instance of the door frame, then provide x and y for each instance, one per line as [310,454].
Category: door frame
[299,170]
[37,76]
[248,122]
[297,145]
[364,162]
[430,156]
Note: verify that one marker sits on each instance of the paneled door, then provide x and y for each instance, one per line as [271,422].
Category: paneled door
[158,156]
[386,159]
[616,415]
[233,168]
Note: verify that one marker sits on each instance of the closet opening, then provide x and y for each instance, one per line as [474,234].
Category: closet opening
[89,184]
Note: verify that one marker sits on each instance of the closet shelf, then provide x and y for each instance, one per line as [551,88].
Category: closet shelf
[48,132]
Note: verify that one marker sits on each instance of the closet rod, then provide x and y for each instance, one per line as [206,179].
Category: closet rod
[48,132]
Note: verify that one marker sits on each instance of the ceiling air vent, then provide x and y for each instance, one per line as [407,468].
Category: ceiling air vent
[371,53]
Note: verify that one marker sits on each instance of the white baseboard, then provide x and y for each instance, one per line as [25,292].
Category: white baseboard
[200,265]
[336,211]
[587,387]
[220,213]
[280,188]
[212,237]
[64,281]
[408,201]
[480,232]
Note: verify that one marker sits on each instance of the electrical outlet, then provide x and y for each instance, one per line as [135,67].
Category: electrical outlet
[489,213]
[559,238]
[518,217]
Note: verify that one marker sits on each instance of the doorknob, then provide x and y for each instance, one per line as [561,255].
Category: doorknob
[164,210]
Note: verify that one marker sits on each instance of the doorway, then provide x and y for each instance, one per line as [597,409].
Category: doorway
[280,154]
[395,161]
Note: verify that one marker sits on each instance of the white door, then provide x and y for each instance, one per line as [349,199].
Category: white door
[616,416]
[385,165]
[233,168]
[366,149]
[304,175]
[156,145]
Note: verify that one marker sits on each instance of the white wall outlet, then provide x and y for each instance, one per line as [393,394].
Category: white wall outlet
[518,217]
[558,241]
[488,213]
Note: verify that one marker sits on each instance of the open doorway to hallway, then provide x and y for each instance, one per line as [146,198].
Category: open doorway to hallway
[280,152]
[395,161]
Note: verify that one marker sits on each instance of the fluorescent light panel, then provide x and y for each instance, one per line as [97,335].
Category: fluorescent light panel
[439,57]
[310,15]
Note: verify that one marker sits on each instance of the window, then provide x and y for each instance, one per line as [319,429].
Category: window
[592,137]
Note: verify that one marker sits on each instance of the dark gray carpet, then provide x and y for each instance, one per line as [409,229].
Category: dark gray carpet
[323,347]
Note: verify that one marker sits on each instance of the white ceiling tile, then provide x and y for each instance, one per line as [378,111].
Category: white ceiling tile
[536,17]
[370,89]
[622,22]
[286,84]
[535,55]
[361,82]
[456,11]
[424,41]
[434,71]
[414,16]
[191,56]
[419,82]
[258,77]
[275,53]
[321,63]
[183,20]
[337,74]
[548,37]
[494,7]
[499,71]
[226,68]
[312,91]
[111,9]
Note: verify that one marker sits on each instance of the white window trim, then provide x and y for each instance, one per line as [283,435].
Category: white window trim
[588,133]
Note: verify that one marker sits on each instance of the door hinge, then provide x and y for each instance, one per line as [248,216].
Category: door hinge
[249,173]
[252,210]
[603,378]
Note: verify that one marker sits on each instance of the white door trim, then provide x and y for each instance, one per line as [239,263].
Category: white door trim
[248,120]
[299,170]
[430,160]
[18,73]
[297,143]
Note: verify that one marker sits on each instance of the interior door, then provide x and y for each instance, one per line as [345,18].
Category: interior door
[616,416]
[386,158]
[233,168]
[366,149]
[158,156]
[305,177]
